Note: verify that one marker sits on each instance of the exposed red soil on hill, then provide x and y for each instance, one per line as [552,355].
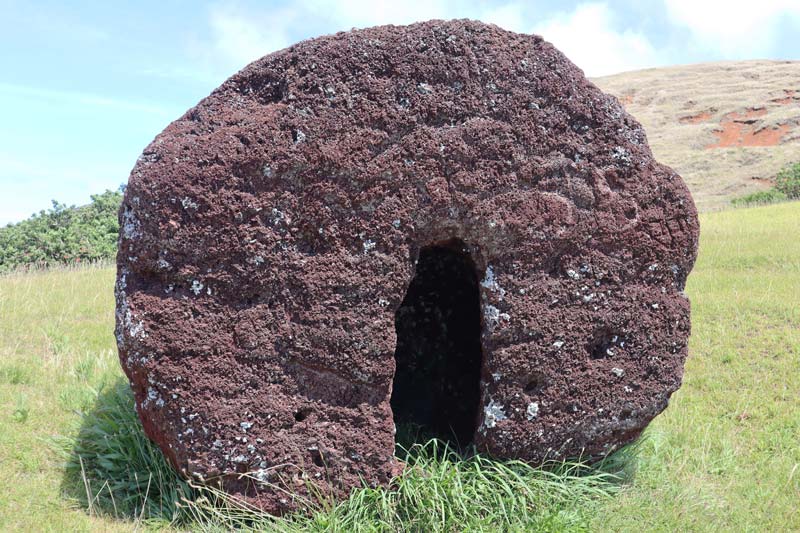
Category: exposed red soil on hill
[790,97]
[743,129]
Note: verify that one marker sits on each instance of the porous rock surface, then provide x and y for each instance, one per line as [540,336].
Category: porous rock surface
[268,237]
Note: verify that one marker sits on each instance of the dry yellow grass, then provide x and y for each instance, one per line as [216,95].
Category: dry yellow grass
[660,98]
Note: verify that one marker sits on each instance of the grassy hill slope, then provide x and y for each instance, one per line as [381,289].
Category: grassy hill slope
[726,127]
[725,456]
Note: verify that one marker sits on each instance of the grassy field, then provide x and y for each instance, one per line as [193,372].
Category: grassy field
[725,456]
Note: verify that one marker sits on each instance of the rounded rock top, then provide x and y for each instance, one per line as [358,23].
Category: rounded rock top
[443,224]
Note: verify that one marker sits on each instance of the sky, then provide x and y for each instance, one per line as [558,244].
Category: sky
[85,85]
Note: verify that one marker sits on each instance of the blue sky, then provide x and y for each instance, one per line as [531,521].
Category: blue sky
[85,86]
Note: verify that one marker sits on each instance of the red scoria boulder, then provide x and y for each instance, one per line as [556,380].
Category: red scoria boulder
[443,225]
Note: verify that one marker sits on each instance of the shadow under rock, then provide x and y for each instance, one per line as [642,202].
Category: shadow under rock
[113,469]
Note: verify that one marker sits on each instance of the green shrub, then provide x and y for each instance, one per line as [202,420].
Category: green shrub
[787,187]
[63,234]
[760,198]
[788,181]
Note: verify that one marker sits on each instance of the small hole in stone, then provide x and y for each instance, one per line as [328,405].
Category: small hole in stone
[302,414]
[535,384]
[602,345]
[316,457]
[599,351]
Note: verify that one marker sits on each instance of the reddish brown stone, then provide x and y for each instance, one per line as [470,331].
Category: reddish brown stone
[270,235]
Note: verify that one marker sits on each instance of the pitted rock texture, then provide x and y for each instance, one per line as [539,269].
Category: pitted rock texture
[270,234]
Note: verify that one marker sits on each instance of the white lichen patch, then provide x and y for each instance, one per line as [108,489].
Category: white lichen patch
[277,215]
[618,372]
[188,203]
[492,414]
[622,156]
[197,287]
[492,316]
[153,397]
[532,411]
[130,224]
[490,282]
[128,325]
[135,328]
[368,245]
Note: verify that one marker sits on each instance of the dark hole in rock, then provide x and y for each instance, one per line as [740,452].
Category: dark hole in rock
[302,414]
[602,345]
[316,457]
[438,356]
[535,384]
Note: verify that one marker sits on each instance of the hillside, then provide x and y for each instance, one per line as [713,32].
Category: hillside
[726,127]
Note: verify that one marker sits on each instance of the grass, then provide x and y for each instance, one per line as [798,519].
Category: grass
[725,456]
[771,196]
[442,491]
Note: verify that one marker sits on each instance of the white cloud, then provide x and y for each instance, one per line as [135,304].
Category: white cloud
[589,40]
[509,16]
[586,35]
[240,38]
[735,28]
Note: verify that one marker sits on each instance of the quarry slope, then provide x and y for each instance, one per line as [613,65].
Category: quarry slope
[726,127]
